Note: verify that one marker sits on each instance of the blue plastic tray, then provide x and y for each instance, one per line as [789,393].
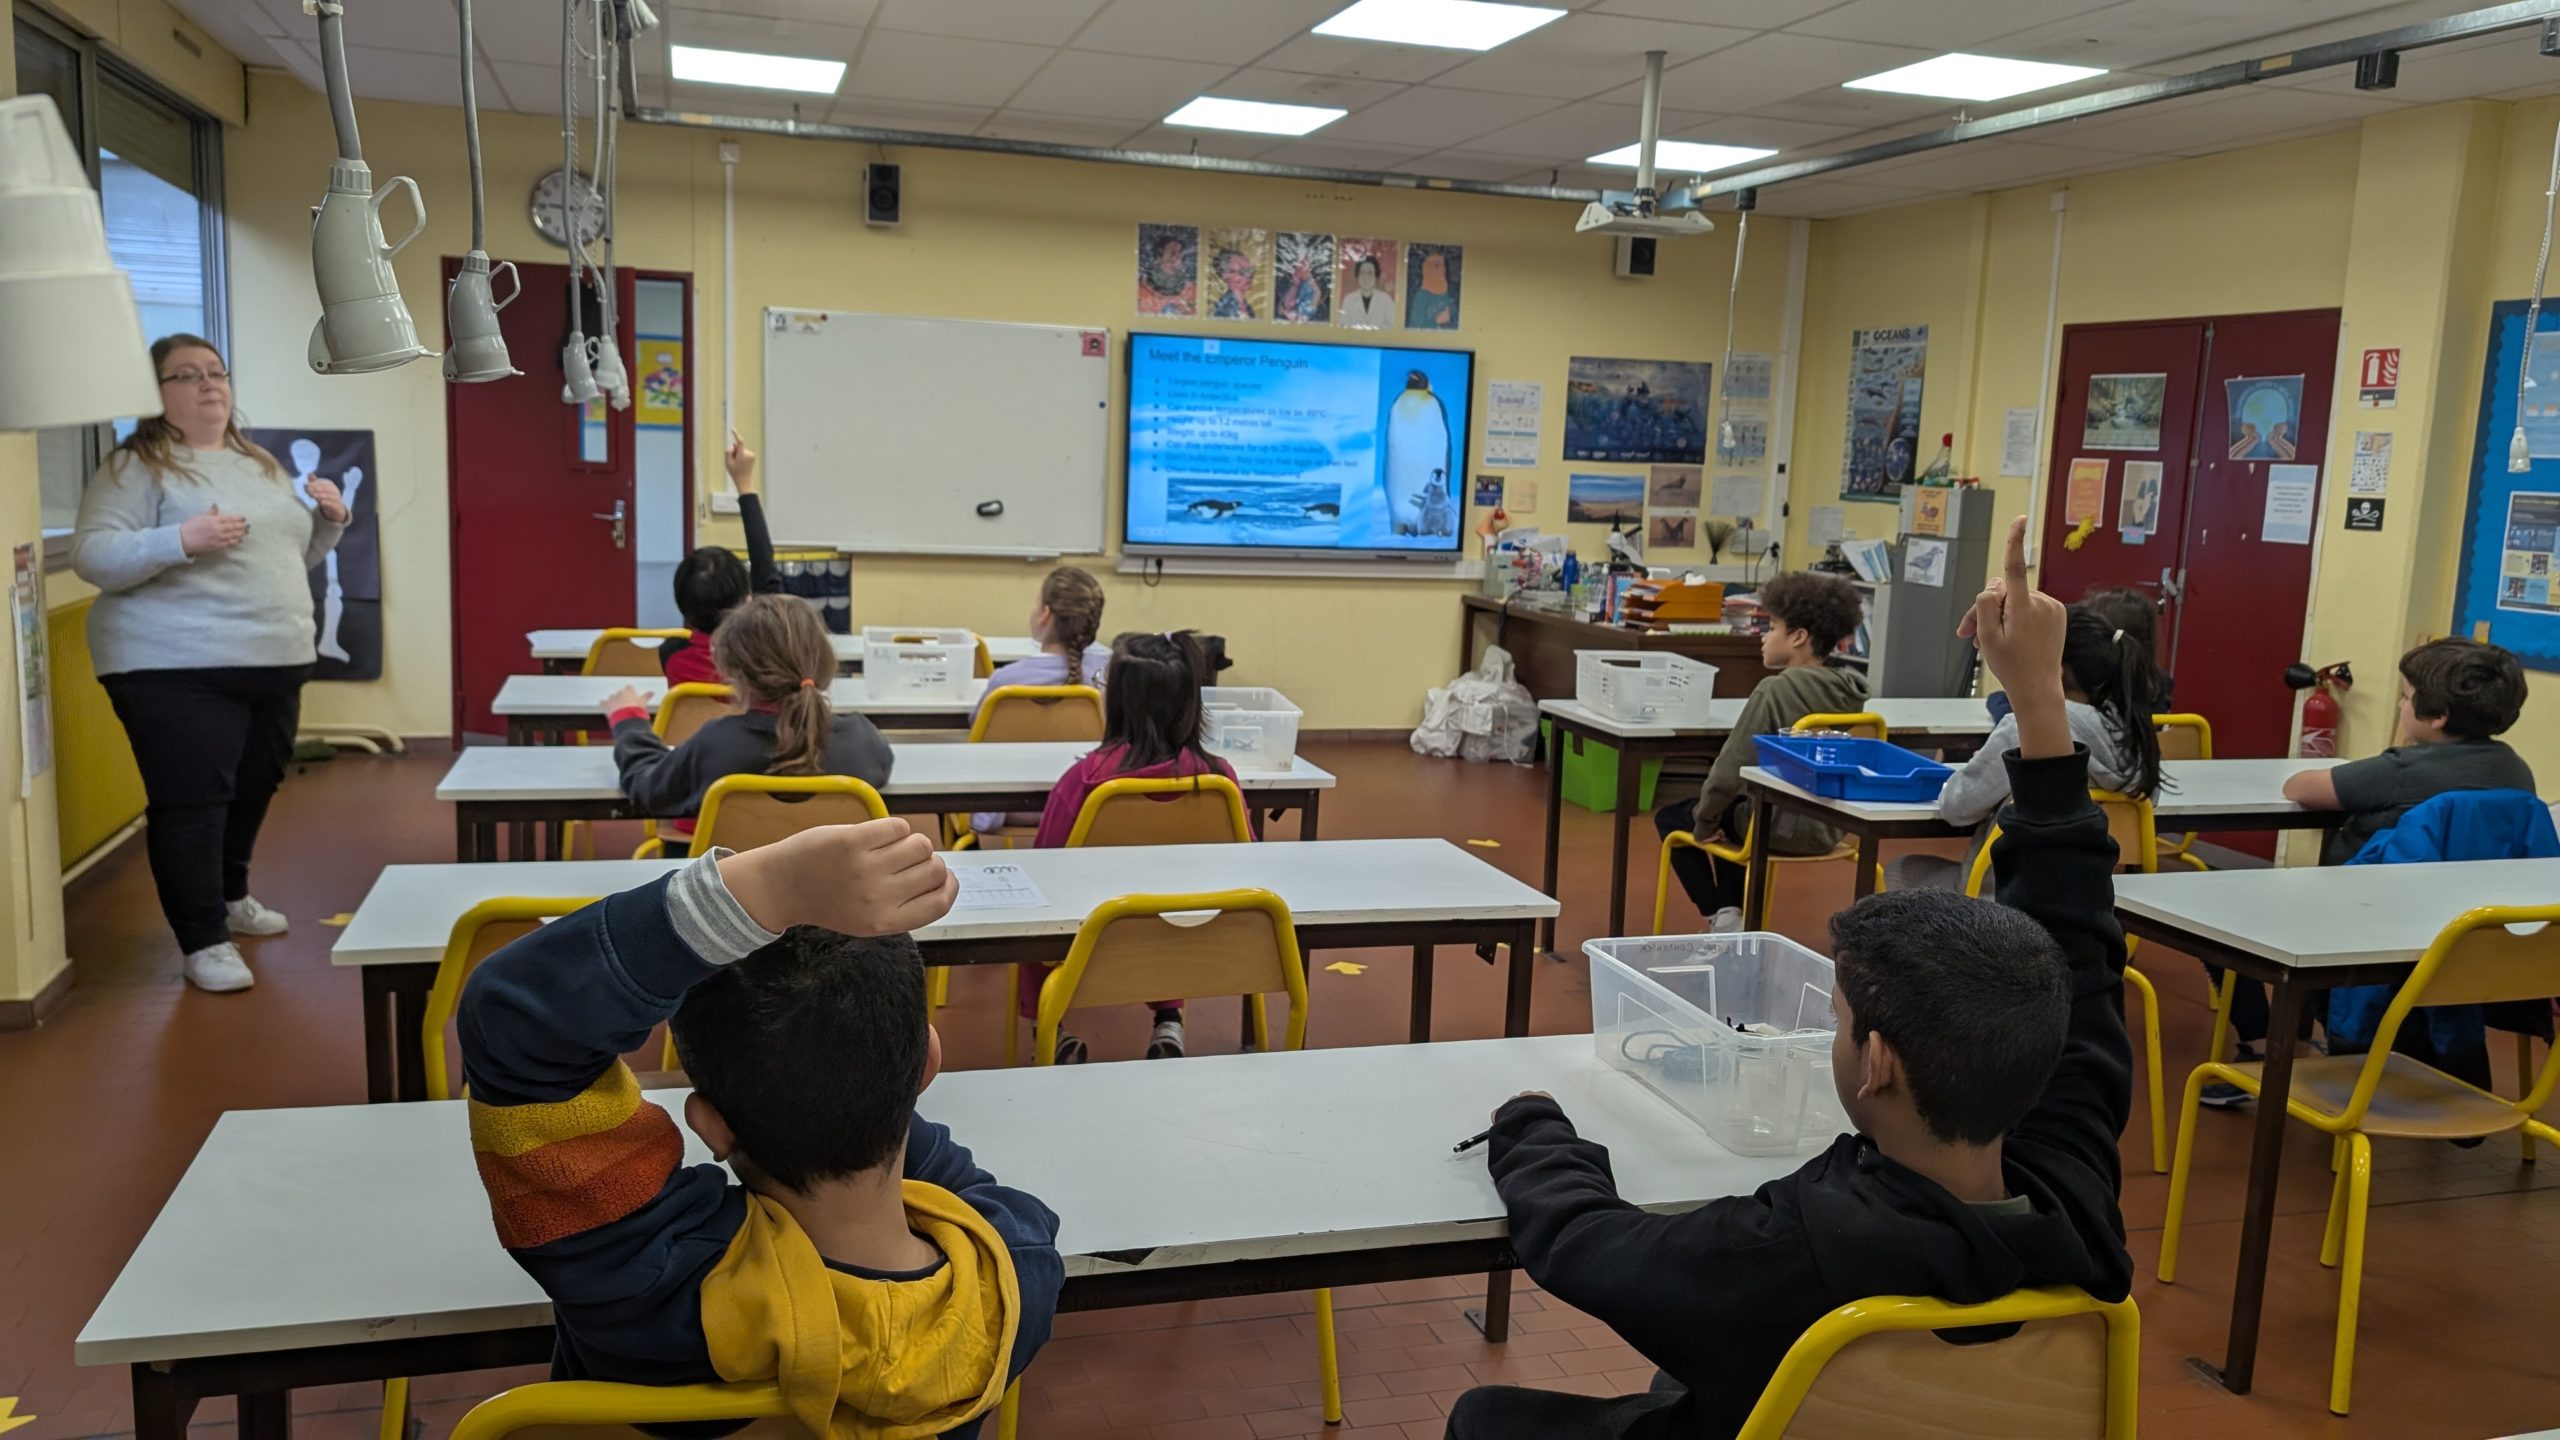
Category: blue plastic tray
[1841,768]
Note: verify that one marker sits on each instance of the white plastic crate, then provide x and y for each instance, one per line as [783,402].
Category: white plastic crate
[1735,1030]
[1645,687]
[920,664]
[1253,727]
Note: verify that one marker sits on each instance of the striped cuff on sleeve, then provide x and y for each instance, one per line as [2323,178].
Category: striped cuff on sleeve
[708,918]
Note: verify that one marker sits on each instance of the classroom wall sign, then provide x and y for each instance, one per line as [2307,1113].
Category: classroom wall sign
[1887,369]
[2511,523]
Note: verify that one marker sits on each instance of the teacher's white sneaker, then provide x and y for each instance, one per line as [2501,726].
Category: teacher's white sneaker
[218,969]
[248,917]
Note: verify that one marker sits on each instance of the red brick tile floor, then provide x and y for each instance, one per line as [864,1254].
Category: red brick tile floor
[102,1107]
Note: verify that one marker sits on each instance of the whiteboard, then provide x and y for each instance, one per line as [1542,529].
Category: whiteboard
[895,432]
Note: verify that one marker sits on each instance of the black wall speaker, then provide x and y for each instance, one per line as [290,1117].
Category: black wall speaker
[880,194]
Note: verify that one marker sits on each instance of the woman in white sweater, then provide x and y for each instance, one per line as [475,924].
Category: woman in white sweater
[202,638]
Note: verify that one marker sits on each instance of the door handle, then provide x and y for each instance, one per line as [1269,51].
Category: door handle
[2173,583]
[621,525]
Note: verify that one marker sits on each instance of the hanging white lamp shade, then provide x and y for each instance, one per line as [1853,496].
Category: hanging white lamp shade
[71,347]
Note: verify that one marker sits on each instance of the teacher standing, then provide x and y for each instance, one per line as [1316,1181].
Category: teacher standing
[203,638]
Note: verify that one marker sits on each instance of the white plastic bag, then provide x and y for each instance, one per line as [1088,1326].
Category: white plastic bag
[1484,714]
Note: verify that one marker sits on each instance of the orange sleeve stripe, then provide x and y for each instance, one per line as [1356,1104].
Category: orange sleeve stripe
[580,1183]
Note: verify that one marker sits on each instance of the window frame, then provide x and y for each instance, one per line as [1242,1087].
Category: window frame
[96,70]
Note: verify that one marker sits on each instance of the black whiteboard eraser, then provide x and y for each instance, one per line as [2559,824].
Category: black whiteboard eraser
[990,509]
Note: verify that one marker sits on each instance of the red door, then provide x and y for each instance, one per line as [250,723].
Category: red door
[535,489]
[2120,359]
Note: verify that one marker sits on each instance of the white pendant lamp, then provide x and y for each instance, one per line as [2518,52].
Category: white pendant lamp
[477,348]
[71,350]
[364,324]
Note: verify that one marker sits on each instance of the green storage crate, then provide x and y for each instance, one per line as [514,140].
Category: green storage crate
[1591,777]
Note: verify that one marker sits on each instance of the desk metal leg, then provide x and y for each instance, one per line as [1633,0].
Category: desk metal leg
[1418,1031]
[1307,815]
[381,1078]
[1523,968]
[1870,855]
[1630,783]
[1755,885]
[161,1406]
[2258,1211]
[1555,821]
[266,1415]
[1494,1320]
[520,841]
[409,1055]
[462,837]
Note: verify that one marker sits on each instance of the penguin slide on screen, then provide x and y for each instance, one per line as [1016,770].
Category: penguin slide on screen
[1288,446]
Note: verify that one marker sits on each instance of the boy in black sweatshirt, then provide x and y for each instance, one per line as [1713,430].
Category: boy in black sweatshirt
[1981,1054]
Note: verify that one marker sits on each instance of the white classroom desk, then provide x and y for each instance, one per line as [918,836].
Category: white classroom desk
[2195,795]
[352,1243]
[538,708]
[557,649]
[2303,931]
[1916,719]
[529,786]
[1342,894]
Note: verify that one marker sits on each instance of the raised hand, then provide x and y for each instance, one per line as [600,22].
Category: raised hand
[324,495]
[876,878]
[211,531]
[2019,631]
[740,462]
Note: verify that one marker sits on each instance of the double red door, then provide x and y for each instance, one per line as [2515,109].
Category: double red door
[2232,601]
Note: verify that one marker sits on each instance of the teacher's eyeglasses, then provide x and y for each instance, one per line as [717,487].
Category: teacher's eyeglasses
[196,377]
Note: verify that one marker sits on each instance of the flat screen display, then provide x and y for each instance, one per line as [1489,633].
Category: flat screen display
[1281,445]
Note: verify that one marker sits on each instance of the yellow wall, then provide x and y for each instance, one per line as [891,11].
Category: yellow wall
[986,237]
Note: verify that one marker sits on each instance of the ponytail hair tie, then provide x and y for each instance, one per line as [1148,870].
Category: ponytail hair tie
[809,684]
[2116,639]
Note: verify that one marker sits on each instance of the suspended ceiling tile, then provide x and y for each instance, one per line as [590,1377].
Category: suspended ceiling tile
[1584,54]
[896,65]
[527,34]
[856,13]
[1767,134]
[429,26]
[1426,115]
[2344,21]
[1571,133]
[1988,165]
[1288,87]
[1030,22]
[1080,82]
[2461,71]
[1749,14]
[1365,59]
[2220,122]
[1770,68]
[1470,165]
[1173,29]
[1226,144]
[526,88]
[1339,154]
[1860,110]
[2140,34]
[1058,129]
[1942,25]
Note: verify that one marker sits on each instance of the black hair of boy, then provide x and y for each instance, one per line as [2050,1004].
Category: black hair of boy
[1152,704]
[1825,607]
[710,583]
[812,1049]
[1972,996]
[2477,689]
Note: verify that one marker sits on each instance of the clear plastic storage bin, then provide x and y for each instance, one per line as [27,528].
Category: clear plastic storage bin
[1733,1029]
[1253,727]
[1645,687]
[920,664]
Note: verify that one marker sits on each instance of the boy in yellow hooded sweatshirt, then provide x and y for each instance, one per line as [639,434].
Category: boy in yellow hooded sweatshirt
[891,1286]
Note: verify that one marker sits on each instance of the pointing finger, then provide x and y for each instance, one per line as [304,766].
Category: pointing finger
[2014,568]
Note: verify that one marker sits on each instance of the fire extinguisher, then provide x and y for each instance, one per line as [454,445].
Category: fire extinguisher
[2320,709]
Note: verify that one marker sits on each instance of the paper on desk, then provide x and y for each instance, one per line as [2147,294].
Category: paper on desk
[996,887]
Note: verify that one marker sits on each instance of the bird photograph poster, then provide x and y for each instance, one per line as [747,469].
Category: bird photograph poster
[346,587]
[1367,274]
[1887,369]
[1235,273]
[1302,278]
[1168,269]
[1434,285]
[1636,412]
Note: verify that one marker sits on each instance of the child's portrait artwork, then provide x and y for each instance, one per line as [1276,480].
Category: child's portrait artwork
[1366,274]
[1168,270]
[1434,284]
[1302,278]
[1235,273]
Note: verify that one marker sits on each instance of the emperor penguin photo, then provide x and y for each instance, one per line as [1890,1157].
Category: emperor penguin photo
[1418,460]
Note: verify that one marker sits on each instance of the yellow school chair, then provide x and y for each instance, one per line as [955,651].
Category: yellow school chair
[2355,1099]
[1875,1367]
[2184,737]
[2129,824]
[483,930]
[1226,942]
[1206,810]
[1865,724]
[600,1407]
[1020,713]
[613,652]
[683,710]
[746,811]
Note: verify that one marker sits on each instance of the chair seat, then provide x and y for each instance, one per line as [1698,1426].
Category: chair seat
[2415,1101]
[1741,855]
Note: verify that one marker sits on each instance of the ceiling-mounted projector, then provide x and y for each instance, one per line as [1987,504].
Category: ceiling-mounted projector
[1640,218]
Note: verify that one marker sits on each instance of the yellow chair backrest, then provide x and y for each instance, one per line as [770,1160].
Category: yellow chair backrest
[688,707]
[612,652]
[594,1407]
[1228,942]
[2185,737]
[1865,724]
[745,811]
[1039,712]
[1203,810]
[2129,823]
[2474,960]
[1875,1367]
[986,660]
[483,930]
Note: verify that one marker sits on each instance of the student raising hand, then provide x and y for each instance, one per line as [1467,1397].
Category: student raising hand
[740,462]
[2019,630]
[876,878]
